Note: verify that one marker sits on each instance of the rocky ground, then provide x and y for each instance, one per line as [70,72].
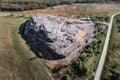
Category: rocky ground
[56,38]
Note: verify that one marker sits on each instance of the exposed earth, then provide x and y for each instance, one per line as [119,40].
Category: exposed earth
[57,38]
[77,10]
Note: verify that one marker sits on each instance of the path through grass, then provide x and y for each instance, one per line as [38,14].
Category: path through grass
[111,69]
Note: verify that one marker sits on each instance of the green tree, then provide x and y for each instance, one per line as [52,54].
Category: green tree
[65,77]
[83,57]
[0,5]
[107,18]
[83,68]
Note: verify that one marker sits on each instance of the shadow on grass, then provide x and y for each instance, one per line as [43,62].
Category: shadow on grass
[33,58]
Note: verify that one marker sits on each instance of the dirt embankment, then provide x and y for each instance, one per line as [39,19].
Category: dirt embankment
[56,38]
[77,9]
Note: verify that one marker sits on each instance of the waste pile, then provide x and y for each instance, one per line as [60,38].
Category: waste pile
[55,37]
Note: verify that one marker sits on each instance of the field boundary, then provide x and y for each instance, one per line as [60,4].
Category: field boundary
[104,52]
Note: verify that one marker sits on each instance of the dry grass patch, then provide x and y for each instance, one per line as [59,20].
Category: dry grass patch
[14,55]
[78,9]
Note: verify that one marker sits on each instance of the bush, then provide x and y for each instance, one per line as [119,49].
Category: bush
[15,5]
[83,57]
[83,68]
[65,77]
[80,68]
[105,18]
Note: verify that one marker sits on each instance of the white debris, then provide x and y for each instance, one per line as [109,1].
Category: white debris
[57,34]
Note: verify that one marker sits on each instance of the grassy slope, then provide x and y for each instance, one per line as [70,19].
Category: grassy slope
[78,9]
[18,5]
[14,55]
[112,66]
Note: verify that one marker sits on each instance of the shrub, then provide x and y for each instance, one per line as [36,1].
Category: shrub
[65,77]
[83,57]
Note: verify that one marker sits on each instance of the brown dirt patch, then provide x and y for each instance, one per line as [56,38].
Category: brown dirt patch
[77,9]
[52,63]
[64,10]
[80,36]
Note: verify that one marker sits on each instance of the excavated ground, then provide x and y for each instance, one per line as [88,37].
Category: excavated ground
[57,39]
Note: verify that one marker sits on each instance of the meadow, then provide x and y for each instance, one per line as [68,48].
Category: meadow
[78,10]
[15,63]
[21,5]
[111,69]
[18,62]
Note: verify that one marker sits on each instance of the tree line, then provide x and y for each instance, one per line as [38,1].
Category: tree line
[20,5]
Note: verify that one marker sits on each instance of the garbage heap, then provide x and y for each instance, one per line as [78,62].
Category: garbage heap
[55,37]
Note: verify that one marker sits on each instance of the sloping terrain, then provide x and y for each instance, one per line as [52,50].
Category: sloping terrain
[79,10]
[20,5]
[57,38]
[14,55]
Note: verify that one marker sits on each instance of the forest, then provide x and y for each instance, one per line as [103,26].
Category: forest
[21,5]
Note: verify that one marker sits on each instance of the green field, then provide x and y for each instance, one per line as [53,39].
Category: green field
[111,69]
[20,5]
[15,55]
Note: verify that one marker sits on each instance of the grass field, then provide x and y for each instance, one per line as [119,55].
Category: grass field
[78,9]
[15,55]
[111,69]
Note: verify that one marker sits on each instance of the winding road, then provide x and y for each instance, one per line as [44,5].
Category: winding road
[104,52]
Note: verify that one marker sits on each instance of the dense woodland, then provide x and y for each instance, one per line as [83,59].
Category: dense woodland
[20,5]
